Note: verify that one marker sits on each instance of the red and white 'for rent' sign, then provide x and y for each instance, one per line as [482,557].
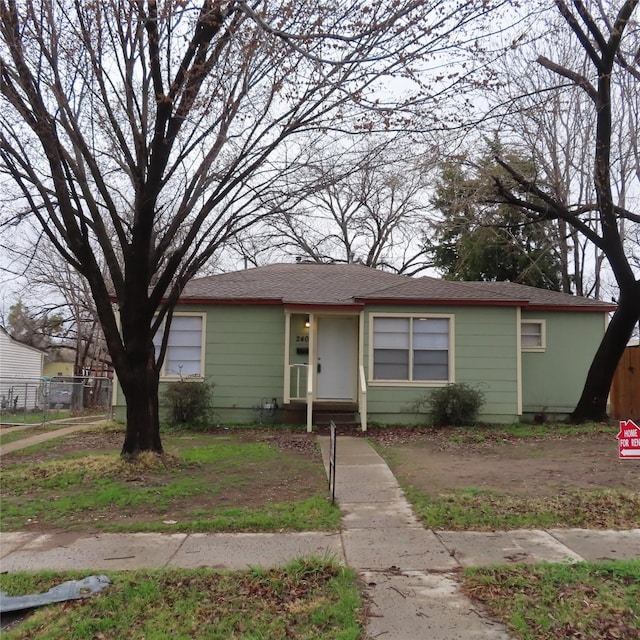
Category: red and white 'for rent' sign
[629,439]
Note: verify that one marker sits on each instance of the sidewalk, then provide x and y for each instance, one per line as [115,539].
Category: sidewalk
[37,439]
[409,572]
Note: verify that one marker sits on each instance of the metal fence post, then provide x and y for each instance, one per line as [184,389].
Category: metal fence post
[332,461]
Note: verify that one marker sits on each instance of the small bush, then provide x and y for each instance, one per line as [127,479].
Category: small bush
[189,403]
[453,405]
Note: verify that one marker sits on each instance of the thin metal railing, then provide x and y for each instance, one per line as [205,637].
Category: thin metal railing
[301,373]
[362,400]
[309,399]
[332,461]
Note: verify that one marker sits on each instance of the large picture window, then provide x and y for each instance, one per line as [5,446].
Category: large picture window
[184,349]
[413,349]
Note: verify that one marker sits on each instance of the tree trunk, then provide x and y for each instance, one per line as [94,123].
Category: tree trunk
[592,405]
[564,256]
[140,389]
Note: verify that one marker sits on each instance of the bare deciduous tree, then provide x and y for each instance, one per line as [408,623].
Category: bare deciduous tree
[555,128]
[51,287]
[144,135]
[609,39]
[360,205]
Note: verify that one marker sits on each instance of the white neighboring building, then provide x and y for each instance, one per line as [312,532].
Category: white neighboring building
[19,364]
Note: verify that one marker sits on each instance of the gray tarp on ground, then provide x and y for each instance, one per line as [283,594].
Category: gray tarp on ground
[71,590]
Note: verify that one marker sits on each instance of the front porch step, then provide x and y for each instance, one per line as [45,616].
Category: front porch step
[342,413]
[325,418]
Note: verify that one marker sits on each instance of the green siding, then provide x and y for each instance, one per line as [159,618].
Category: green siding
[552,380]
[244,352]
[244,357]
[485,343]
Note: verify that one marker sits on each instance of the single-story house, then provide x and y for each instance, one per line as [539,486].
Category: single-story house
[20,369]
[289,340]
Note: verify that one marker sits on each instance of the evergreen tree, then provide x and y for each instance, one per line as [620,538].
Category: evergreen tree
[477,239]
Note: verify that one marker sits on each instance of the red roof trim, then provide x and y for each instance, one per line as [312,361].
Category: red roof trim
[491,303]
[556,307]
[446,301]
[361,302]
[307,307]
[227,301]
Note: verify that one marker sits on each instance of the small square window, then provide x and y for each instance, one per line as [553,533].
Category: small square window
[532,335]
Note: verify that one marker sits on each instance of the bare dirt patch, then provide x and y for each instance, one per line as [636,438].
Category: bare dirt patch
[437,461]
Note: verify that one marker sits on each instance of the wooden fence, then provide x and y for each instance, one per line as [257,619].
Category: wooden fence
[625,390]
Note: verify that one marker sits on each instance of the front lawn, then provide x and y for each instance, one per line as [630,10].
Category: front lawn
[514,476]
[32,417]
[308,599]
[483,510]
[588,600]
[235,480]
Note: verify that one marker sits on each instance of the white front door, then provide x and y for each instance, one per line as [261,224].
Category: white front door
[337,358]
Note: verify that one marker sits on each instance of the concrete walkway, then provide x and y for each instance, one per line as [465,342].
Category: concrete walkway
[408,572]
[40,437]
[406,569]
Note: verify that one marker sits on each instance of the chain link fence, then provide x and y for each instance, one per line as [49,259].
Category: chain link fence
[59,399]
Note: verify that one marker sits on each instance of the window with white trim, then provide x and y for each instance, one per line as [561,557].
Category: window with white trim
[532,335]
[413,349]
[184,348]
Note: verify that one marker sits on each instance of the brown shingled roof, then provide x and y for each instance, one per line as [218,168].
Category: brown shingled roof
[543,297]
[428,290]
[349,284]
[293,283]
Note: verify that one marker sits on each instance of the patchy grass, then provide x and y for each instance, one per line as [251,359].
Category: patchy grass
[308,599]
[313,514]
[13,434]
[482,510]
[585,600]
[33,417]
[514,476]
[527,431]
[487,433]
[208,482]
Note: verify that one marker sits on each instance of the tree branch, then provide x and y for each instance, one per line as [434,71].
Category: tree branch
[578,79]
